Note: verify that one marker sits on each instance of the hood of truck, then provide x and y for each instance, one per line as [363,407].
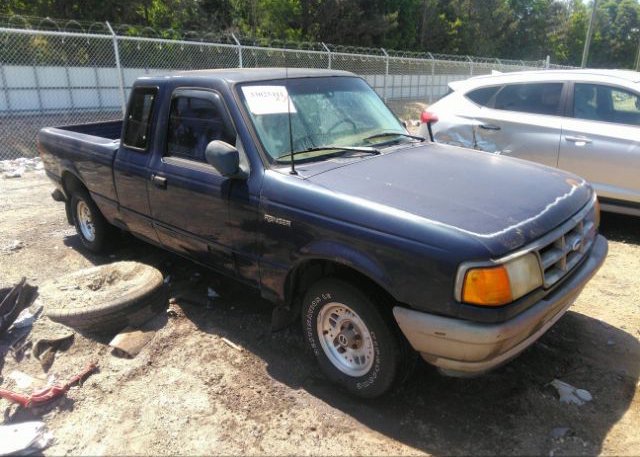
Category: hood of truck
[502,202]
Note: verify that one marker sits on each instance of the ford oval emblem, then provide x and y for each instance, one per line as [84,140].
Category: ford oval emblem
[575,246]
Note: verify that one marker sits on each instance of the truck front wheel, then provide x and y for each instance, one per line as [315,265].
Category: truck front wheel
[93,228]
[354,345]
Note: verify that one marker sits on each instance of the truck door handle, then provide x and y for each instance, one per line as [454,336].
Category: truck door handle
[159,181]
[489,126]
[578,140]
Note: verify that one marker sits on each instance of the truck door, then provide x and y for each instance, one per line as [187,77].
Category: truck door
[131,166]
[189,198]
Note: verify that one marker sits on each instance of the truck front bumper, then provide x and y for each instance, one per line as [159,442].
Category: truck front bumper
[465,348]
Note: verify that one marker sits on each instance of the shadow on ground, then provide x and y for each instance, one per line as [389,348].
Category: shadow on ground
[619,227]
[512,410]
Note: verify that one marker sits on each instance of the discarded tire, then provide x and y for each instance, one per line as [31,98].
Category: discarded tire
[105,299]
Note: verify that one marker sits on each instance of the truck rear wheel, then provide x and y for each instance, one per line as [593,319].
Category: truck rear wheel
[353,344]
[94,230]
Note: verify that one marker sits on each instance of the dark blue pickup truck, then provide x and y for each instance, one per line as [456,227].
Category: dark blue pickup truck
[303,184]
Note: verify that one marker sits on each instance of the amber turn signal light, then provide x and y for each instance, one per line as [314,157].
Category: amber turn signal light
[487,286]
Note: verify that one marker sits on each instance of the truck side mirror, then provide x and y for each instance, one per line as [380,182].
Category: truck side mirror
[224,158]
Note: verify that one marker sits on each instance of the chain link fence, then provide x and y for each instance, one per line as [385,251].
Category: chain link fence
[83,74]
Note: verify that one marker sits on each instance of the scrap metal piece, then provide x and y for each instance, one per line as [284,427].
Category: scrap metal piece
[14,301]
[10,306]
[129,342]
[44,350]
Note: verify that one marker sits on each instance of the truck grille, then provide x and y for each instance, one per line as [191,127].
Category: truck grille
[569,244]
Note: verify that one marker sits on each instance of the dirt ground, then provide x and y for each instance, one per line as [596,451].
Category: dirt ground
[190,392]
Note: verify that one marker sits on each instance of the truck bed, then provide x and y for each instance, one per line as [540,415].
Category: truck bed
[87,149]
[110,130]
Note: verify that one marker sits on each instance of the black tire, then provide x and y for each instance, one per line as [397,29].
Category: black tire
[103,231]
[386,347]
[136,298]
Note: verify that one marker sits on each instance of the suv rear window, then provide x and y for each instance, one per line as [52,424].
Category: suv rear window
[483,95]
[537,98]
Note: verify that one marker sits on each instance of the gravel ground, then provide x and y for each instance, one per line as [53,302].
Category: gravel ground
[191,392]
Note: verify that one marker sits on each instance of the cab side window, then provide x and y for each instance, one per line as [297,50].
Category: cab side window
[535,98]
[193,123]
[605,103]
[136,134]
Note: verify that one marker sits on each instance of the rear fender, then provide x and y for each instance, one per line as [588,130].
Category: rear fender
[70,180]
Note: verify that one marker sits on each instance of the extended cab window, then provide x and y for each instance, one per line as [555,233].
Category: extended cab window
[483,95]
[604,103]
[536,98]
[139,117]
[194,121]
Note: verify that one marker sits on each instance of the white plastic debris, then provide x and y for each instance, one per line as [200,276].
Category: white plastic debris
[14,245]
[584,395]
[212,293]
[560,432]
[15,173]
[18,167]
[571,395]
[232,344]
[24,319]
[24,439]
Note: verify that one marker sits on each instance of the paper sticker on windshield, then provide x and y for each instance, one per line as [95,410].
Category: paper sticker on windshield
[268,99]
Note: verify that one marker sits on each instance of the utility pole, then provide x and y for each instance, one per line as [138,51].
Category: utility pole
[637,63]
[587,42]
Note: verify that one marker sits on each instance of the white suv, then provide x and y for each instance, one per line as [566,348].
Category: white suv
[583,121]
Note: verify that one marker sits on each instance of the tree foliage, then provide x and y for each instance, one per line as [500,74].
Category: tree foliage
[516,29]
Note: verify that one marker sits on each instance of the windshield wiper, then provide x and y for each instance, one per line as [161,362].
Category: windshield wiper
[382,135]
[365,149]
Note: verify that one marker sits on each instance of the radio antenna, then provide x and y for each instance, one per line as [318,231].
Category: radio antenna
[286,86]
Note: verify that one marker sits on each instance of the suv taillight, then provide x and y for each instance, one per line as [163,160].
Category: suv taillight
[428,118]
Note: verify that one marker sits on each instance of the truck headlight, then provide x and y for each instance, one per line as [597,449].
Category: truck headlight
[501,284]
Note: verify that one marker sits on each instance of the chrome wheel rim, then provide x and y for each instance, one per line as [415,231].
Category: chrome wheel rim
[345,339]
[85,221]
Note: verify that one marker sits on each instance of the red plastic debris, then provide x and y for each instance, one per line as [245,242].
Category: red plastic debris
[48,393]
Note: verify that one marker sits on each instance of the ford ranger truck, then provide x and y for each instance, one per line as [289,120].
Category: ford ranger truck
[303,184]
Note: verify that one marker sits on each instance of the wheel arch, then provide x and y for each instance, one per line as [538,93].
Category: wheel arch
[71,182]
[311,269]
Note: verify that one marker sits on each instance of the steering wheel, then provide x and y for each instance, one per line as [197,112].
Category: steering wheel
[340,122]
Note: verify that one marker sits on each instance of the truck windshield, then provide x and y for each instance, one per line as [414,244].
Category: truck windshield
[327,111]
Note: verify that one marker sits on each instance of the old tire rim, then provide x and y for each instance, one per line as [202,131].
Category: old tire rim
[85,221]
[345,339]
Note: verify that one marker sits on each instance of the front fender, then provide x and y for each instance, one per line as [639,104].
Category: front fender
[344,254]
[277,282]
